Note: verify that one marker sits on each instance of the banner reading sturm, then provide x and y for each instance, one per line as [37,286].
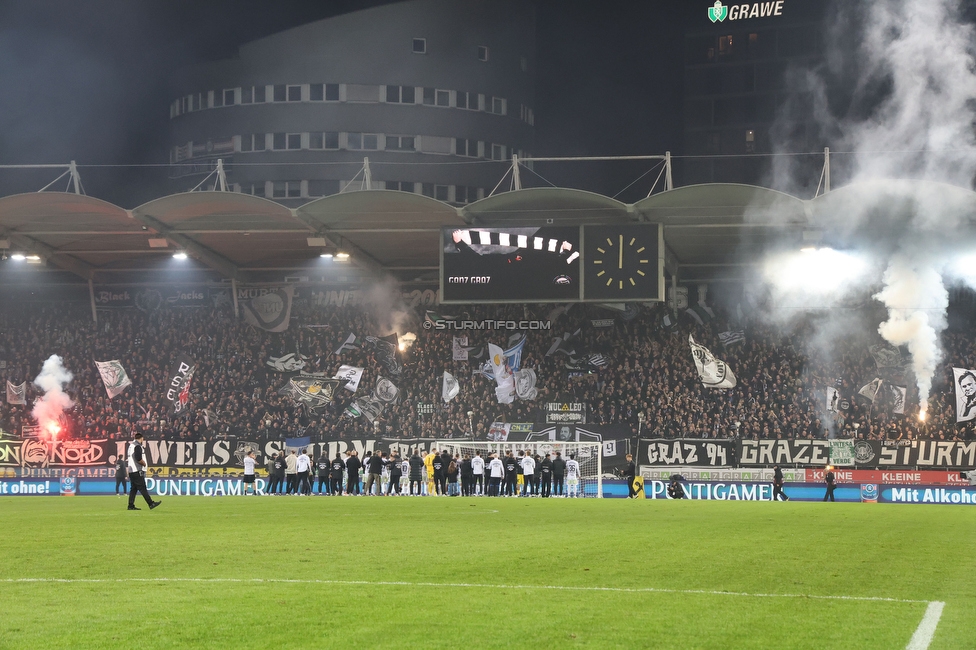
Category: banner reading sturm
[924,454]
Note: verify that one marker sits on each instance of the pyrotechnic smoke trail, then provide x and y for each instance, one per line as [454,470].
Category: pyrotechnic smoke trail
[49,407]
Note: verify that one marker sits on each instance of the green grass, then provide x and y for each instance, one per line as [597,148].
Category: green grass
[902,552]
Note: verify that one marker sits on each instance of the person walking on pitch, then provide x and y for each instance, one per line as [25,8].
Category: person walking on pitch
[136,464]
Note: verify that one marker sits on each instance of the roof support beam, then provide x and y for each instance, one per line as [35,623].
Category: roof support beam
[359,257]
[64,261]
[215,261]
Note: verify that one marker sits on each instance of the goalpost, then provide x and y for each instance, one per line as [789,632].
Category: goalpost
[589,455]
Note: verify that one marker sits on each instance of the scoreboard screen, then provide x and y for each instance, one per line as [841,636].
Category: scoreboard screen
[511,264]
[605,263]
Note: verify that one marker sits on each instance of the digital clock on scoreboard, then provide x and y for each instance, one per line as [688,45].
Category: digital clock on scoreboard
[524,264]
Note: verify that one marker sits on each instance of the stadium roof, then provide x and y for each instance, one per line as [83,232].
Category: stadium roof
[708,229]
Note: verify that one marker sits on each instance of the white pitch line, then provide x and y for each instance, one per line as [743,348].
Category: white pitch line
[469,585]
[926,629]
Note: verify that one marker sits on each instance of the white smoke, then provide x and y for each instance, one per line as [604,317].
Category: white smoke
[49,407]
[909,123]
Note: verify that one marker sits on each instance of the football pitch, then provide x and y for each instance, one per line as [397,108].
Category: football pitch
[297,572]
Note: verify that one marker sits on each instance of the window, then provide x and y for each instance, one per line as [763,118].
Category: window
[464,147]
[427,189]
[725,46]
[467,100]
[247,95]
[280,93]
[464,194]
[323,92]
[362,93]
[252,142]
[260,94]
[229,99]
[498,152]
[750,141]
[442,192]
[260,142]
[322,187]
[294,93]
[364,141]
[279,141]
[400,143]
[443,97]
[294,140]
[400,186]
[437,97]
[420,46]
[315,93]
[287,190]
[257,189]
[216,99]
[499,106]
[400,94]
[482,53]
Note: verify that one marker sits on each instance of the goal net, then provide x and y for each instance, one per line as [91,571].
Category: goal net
[587,454]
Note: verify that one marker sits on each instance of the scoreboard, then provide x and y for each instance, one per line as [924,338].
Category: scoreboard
[603,263]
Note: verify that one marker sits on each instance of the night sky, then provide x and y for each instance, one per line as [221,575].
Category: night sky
[88,81]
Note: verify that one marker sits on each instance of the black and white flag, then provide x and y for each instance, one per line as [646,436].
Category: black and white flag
[450,387]
[291,362]
[113,376]
[870,389]
[314,391]
[525,381]
[16,394]
[270,311]
[385,390]
[964,381]
[833,397]
[387,352]
[178,384]
[565,344]
[714,373]
[898,394]
[731,337]
[460,348]
[352,342]
[351,374]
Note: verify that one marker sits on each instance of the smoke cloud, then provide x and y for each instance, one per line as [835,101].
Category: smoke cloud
[49,407]
[902,102]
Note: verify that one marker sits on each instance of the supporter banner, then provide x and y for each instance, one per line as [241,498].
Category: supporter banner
[343,298]
[268,309]
[151,298]
[113,376]
[568,412]
[17,394]
[31,453]
[964,381]
[685,451]
[178,384]
[867,453]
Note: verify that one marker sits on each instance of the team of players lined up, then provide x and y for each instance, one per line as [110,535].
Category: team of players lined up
[521,474]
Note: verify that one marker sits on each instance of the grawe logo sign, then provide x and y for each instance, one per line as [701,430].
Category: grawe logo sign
[718,12]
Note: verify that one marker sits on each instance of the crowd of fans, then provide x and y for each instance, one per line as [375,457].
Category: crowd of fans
[782,376]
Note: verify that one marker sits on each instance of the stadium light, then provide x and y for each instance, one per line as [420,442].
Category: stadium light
[327,256]
[342,257]
[179,256]
[814,270]
[18,257]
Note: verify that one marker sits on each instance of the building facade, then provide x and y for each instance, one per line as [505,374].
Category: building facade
[431,92]
[746,90]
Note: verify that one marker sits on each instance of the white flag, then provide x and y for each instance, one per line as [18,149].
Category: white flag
[271,311]
[460,348]
[496,356]
[450,387]
[965,383]
[833,397]
[386,390]
[16,394]
[113,376]
[525,381]
[351,374]
[870,389]
[899,393]
[505,391]
[714,373]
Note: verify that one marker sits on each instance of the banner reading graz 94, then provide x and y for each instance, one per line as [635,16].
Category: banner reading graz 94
[867,453]
[686,452]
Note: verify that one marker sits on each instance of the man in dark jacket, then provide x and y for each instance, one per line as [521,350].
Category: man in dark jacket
[416,473]
[352,474]
[829,480]
[467,478]
[121,476]
[512,468]
[440,475]
[396,473]
[545,475]
[558,473]
[276,474]
[335,475]
[322,467]
[778,484]
[630,471]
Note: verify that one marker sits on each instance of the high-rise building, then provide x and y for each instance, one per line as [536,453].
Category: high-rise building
[746,88]
[408,86]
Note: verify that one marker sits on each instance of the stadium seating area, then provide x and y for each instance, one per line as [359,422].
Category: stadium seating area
[781,390]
